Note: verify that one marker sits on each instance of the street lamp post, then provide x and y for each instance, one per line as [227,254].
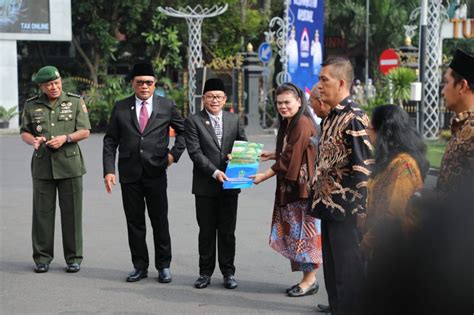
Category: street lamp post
[194,17]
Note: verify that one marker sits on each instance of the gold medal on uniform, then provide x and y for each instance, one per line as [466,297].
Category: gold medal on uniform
[39,128]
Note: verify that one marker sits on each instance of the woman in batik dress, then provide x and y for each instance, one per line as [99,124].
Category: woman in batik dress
[398,172]
[294,233]
[399,169]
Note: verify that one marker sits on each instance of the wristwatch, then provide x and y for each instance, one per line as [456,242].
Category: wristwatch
[68,139]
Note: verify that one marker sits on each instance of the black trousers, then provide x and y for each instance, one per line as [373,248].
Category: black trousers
[343,265]
[216,215]
[151,191]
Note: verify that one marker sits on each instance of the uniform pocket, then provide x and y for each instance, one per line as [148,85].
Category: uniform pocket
[38,122]
[71,151]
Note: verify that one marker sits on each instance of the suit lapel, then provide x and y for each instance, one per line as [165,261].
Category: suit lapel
[133,113]
[208,124]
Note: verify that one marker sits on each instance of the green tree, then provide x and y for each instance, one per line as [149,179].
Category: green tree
[163,44]
[347,18]
[100,99]
[98,28]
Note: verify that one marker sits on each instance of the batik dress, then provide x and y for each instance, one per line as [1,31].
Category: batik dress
[388,194]
[294,233]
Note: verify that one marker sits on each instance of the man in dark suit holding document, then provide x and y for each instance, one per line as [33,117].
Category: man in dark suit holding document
[210,135]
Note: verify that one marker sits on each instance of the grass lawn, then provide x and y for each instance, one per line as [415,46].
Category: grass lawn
[435,153]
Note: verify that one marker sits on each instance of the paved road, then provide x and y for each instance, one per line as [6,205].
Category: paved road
[99,288]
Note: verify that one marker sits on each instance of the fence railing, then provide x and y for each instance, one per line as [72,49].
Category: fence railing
[445,115]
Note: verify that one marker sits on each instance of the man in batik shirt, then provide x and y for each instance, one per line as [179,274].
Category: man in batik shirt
[441,247]
[340,187]
[457,167]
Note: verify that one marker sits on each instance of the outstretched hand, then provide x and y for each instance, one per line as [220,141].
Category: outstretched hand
[267,155]
[258,178]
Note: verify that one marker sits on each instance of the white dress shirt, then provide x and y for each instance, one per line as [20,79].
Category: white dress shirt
[138,106]
[213,121]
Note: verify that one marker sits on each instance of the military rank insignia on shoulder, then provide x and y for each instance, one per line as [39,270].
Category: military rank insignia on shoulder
[83,104]
[32,98]
[73,95]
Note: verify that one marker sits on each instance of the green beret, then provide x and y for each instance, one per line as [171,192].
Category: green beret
[46,74]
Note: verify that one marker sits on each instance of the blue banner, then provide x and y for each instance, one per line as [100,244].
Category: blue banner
[305,42]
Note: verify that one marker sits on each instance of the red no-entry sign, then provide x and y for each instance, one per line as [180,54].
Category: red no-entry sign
[388,60]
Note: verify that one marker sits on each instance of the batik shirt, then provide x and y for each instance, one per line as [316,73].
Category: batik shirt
[343,163]
[457,167]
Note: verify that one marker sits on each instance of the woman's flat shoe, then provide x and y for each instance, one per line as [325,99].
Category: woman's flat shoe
[291,288]
[298,291]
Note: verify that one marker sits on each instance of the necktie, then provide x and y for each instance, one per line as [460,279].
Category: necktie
[218,129]
[143,117]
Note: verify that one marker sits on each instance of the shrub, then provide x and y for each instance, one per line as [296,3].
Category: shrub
[7,114]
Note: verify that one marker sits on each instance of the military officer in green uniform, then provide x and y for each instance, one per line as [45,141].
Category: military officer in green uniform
[53,123]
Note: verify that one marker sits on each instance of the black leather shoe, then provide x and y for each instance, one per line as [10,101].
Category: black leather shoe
[74,267]
[137,275]
[202,282]
[324,308]
[41,268]
[291,288]
[298,291]
[229,282]
[164,275]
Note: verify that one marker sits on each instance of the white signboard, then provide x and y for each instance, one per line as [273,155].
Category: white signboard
[35,20]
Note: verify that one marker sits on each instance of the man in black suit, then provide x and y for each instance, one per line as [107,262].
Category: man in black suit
[210,135]
[139,127]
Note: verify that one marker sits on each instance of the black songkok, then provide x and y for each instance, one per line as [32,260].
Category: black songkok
[463,64]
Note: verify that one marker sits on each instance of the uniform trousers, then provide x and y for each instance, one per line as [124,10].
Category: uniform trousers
[69,191]
[216,216]
[343,265]
[152,193]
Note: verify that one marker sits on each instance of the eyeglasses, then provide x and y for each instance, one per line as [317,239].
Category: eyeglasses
[212,97]
[148,82]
